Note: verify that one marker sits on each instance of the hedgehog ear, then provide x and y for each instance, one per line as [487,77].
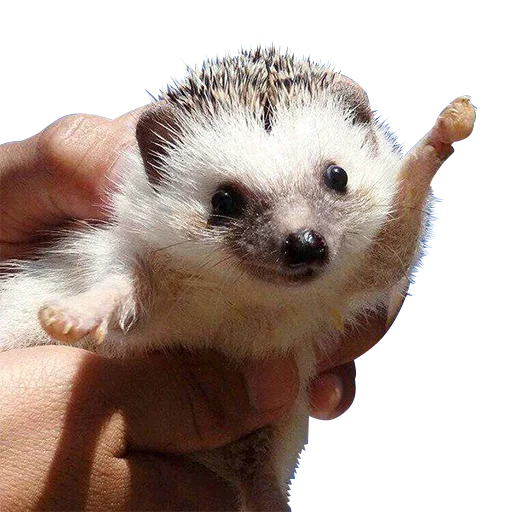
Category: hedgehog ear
[355,97]
[154,134]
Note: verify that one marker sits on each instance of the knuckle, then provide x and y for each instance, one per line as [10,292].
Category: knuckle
[58,143]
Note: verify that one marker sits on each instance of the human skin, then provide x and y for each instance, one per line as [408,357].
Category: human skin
[82,432]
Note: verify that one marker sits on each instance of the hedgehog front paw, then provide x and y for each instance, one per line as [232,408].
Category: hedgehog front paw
[69,325]
[456,121]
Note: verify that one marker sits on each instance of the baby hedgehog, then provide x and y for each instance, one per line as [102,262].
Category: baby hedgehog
[265,209]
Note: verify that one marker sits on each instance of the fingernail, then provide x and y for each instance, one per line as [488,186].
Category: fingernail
[271,384]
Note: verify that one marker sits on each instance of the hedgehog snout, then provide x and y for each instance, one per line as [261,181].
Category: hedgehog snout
[304,248]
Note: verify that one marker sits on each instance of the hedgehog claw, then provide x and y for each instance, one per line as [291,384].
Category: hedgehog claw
[62,324]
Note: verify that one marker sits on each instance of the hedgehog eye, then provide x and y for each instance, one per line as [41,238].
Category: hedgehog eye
[336,178]
[226,202]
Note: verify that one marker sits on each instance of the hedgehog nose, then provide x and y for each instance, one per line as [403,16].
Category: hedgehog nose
[304,248]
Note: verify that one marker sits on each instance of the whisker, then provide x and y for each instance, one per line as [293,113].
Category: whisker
[170,246]
[397,209]
[219,262]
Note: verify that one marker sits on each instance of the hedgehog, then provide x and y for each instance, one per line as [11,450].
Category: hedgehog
[264,208]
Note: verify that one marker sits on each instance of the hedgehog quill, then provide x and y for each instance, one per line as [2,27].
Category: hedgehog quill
[265,199]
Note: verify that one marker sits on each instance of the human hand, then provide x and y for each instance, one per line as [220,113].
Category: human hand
[62,174]
[82,432]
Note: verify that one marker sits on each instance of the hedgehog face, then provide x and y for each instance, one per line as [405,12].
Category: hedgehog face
[300,202]
[279,173]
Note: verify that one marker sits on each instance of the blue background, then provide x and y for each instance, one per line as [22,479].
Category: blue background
[431,428]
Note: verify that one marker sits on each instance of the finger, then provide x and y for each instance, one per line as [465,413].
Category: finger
[59,174]
[333,392]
